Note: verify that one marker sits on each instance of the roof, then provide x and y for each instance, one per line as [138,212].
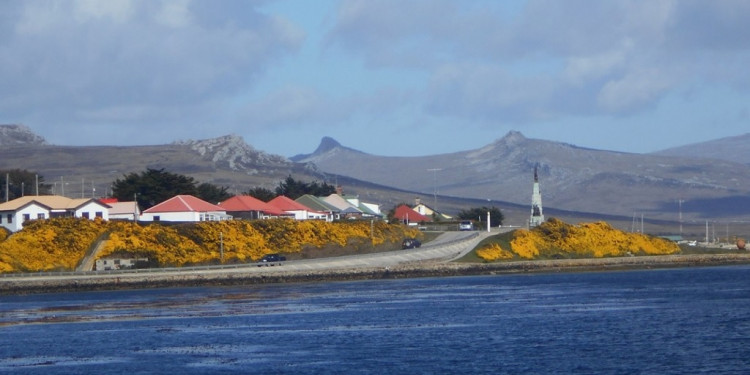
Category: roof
[53,202]
[119,208]
[316,203]
[339,202]
[286,204]
[184,203]
[404,212]
[245,203]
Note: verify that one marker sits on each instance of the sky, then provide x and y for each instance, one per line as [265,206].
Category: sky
[387,77]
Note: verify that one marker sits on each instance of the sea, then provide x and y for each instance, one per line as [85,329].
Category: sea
[669,321]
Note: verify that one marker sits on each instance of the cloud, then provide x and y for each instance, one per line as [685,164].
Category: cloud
[74,57]
[550,59]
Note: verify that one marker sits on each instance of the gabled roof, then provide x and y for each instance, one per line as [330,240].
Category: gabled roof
[52,202]
[286,204]
[405,213]
[316,203]
[120,208]
[184,203]
[338,201]
[246,203]
[367,210]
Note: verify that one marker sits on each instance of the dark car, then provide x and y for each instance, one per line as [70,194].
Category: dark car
[410,243]
[273,258]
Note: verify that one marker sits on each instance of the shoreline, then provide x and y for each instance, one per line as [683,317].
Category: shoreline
[123,281]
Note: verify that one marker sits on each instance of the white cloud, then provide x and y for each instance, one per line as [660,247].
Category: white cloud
[615,57]
[174,13]
[75,59]
[118,11]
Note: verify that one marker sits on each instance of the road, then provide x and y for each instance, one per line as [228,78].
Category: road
[445,248]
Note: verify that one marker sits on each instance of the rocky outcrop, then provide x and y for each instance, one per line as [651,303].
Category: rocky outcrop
[233,153]
[19,135]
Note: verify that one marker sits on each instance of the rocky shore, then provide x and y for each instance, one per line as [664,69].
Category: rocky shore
[240,276]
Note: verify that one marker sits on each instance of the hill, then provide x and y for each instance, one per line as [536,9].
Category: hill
[734,149]
[572,178]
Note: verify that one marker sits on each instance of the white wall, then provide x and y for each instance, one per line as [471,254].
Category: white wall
[33,211]
[185,216]
[92,208]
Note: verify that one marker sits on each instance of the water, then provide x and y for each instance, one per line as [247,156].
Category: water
[676,321]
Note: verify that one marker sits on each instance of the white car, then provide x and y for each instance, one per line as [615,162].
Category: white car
[466,225]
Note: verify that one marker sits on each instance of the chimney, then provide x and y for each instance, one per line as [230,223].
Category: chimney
[339,190]
[417,201]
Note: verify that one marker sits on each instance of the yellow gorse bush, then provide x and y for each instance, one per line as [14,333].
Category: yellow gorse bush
[62,243]
[587,239]
[54,244]
[493,252]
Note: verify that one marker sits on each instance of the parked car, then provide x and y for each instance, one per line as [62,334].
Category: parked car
[466,225]
[411,243]
[272,258]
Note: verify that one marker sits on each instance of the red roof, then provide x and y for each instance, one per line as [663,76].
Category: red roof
[244,203]
[285,204]
[405,213]
[184,203]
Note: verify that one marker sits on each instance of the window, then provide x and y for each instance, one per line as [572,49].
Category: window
[99,214]
[10,218]
[26,217]
[85,215]
[40,215]
[157,218]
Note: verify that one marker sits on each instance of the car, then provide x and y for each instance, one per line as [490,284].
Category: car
[272,258]
[411,243]
[466,225]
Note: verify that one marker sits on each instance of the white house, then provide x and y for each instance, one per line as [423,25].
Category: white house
[122,210]
[14,213]
[299,210]
[185,208]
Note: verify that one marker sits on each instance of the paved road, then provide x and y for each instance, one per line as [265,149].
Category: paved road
[445,248]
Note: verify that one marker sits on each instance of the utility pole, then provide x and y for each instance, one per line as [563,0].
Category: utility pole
[221,245]
[434,187]
[679,204]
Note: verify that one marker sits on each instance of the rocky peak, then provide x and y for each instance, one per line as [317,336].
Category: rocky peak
[232,151]
[512,138]
[19,135]
[326,144]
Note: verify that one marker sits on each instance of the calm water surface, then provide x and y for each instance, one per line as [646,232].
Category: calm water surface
[679,321]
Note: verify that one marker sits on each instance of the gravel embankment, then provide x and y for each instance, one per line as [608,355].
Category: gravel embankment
[48,284]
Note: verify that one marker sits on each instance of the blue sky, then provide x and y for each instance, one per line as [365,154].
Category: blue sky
[386,77]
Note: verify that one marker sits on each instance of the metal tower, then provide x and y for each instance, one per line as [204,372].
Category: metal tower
[537,215]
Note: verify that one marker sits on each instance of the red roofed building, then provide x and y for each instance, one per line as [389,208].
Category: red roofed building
[185,208]
[300,211]
[249,207]
[409,216]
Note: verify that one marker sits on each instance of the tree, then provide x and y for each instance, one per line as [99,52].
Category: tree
[152,186]
[480,215]
[212,193]
[261,193]
[20,183]
[294,189]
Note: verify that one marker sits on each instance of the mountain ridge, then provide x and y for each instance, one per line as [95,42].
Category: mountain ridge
[574,179]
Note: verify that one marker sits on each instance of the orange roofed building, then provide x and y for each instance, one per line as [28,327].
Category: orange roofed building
[407,215]
[249,207]
[300,211]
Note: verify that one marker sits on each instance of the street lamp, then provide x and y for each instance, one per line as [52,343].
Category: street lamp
[434,187]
